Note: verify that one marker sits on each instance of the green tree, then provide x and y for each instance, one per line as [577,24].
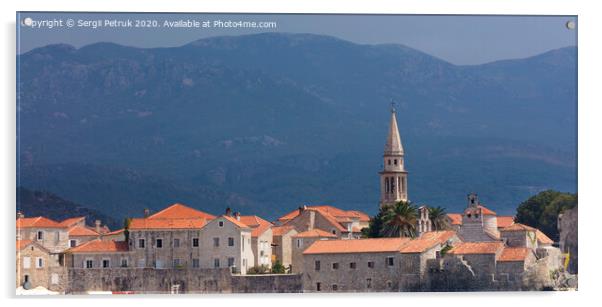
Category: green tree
[438,218]
[126,227]
[541,211]
[399,220]
[374,230]
[278,268]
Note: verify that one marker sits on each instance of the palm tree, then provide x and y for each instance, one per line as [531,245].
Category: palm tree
[399,220]
[438,218]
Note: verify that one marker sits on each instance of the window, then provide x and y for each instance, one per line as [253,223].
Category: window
[220,223]
[230,241]
[72,243]
[389,284]
[371,264]
[141,243]
[390,261]
[299,243]
[369,283]
[26,278]
[317,265]
[335,265]
[26,262]
[352,265]
[89,264]
[40,235]
[334,232]
[54,278]
[176,263]
[39,262]
[395,161]
[216,263]
[124,262]
[335,287]
[159,243]
[176,243]
[106,263]
[216,242]
[318,286]
[230,262]
[195,263]
[389,162]
[195,242]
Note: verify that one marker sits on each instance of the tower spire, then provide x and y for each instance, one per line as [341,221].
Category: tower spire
[393,145]
[393,177]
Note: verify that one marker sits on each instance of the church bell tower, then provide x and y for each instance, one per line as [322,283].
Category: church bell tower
[393,177]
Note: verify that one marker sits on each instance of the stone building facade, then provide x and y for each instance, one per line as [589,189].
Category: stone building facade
[282,244]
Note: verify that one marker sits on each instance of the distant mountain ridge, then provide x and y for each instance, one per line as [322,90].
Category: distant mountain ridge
[40,203]
[269,121]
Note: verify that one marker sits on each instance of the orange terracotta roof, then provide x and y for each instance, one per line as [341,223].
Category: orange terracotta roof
[338,214]
[179,211]
[190,223]
[455,218]
[37,222]
[427,241]
[465,248]
[504,221]
[518,227]
[314,233]
[116,232]
[486,211]
[21,244]
[514,254]
[258,224]
[281,230]
[72,221]
[376,245]
[235,221]
[81,231]
[96,246]
[542,238]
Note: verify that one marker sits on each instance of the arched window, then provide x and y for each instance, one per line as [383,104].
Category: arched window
[386,184]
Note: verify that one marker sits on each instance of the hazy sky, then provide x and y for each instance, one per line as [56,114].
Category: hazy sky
[457,39]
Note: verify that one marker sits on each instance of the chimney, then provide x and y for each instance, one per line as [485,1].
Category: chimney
[97,225]
[146,212]
[237,215]
[228,211]
[20,215]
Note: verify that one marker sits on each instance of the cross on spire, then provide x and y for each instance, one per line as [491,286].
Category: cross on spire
[393,104]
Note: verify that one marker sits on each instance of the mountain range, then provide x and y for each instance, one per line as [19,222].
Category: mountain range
[266,122]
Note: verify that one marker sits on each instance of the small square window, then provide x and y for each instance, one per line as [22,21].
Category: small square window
[220,223]
[335,287]
[352,265]
[390,261]
[195,242]
[159,243]
[105,263]
[141,243]
[371,264]
[335,266]
[72,243]
[89,264]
